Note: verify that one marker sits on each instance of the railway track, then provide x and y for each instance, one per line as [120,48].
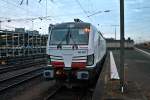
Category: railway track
[20,66]
[54,90]
[16,80]
[63,93]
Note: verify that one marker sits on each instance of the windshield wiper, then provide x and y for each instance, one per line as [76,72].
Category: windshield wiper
[68,36]
[65,37]
[74,43]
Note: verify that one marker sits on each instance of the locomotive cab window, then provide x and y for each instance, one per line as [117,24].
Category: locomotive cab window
[69,36]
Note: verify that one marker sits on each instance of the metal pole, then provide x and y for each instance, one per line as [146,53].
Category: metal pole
[0,24]
[40,44]
[28,43]
[6,47]
[122,45]
[23,48]
[46,9]
[32,25]
[23,34]
[18,44]
[13,44]
[6,44]
[32,37]
[36,45]
[115,32]
[32,43]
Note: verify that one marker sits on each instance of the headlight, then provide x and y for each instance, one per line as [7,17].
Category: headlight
[83,75]
[90,60]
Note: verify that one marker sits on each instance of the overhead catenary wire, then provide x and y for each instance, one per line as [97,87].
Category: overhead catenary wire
[40,17]
[46,8]
[18,6]
[91,4]
[14,5]
[21,2]
[85,12]
[26,19]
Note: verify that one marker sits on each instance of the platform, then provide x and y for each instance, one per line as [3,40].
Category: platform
[109,89]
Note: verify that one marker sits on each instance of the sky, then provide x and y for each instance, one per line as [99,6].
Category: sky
[38,16]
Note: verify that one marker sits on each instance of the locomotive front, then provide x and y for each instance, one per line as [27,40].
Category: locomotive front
[68,50]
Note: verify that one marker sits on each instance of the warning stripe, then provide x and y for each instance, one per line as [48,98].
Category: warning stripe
[78,64]
[57,64]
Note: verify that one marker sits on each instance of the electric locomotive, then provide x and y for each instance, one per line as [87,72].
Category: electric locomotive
[75,51]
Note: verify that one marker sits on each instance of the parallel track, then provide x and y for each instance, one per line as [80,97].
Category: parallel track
[20,66]
[16,80]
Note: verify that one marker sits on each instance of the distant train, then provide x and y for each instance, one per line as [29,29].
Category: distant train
[75,51]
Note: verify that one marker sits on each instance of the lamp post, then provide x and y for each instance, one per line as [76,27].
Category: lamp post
[95,13]
[115,26]
[0,24]
[122,45]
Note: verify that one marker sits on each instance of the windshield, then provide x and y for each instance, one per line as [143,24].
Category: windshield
[69,36]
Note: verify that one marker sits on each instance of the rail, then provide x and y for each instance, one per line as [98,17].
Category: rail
[19,66]
[6,84]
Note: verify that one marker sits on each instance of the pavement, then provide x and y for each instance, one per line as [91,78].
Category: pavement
[137,78]
[138,69]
